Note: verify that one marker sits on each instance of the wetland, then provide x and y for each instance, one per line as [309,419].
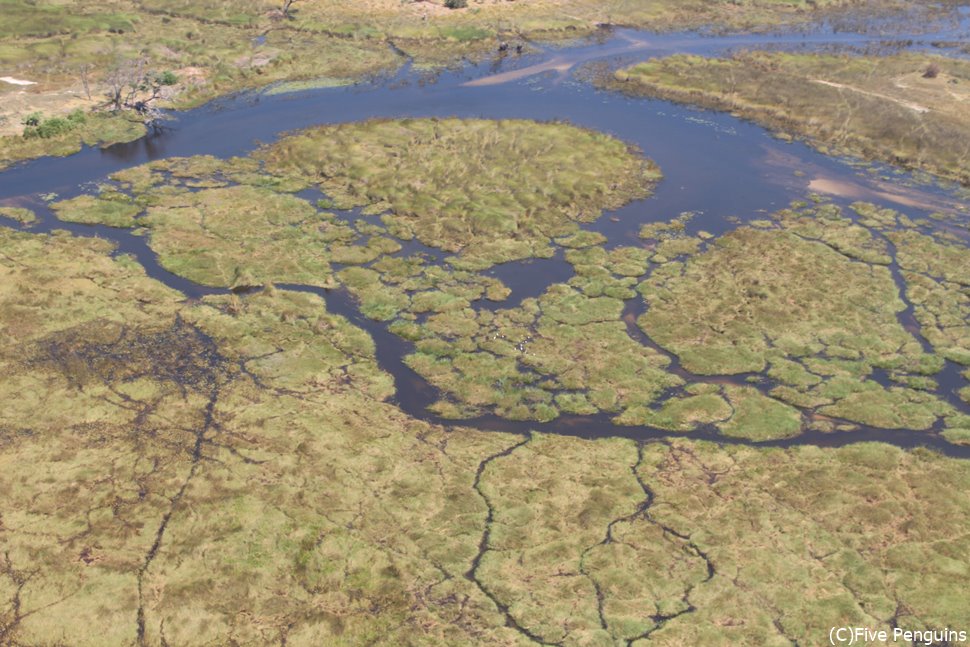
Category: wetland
[431,360]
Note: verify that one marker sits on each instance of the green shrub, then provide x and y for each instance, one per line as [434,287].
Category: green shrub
[36,126]
[456,4]
[53,127]
[167,78]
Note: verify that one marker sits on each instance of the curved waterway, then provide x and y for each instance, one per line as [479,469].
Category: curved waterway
[722,168]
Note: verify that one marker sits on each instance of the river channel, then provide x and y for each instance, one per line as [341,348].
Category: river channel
[722,168]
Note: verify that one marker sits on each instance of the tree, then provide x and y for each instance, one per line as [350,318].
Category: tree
[124,81]
[131,86]
[85,73]
[286,8]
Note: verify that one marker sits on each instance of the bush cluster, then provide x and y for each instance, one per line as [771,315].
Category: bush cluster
[167,78]
[36,126]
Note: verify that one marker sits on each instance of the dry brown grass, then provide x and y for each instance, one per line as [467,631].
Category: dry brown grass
[883,108]
[69,48]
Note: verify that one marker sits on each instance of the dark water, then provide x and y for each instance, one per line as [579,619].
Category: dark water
[715,165]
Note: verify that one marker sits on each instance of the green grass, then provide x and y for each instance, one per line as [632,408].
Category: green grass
[243,236]
[803,296]
[680,414]
[300,86]
[936,276]
[716,541]
[250,438]
[113,379]
[563,352]
[114,211]
[21,215]
[837,568]
[491,191]
[39,20]
[958,435]
[933,267]
[758,417]
[99,129]
[754,290]
[806,298]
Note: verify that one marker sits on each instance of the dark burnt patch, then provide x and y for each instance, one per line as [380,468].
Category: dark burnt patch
[102,352]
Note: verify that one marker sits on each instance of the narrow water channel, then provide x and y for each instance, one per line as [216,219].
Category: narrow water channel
[723,169]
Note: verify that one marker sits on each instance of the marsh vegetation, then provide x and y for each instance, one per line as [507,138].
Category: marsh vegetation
[790,324]
[153,447]
[488,191]
[234,463]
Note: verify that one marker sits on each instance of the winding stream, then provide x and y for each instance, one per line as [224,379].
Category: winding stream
[724,169]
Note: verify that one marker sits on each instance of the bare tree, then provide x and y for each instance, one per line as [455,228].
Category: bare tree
[85,73]
[123,82]
[132,87]
[286,8]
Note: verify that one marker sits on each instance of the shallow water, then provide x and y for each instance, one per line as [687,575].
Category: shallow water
[720,167]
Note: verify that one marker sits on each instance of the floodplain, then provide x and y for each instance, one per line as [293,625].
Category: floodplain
[518,363]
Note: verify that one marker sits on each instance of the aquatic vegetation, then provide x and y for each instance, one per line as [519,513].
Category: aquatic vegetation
[115,210]
[297,362]
[895,407]
[799,304]
[199,172]
[927,255]
[880,107]
[564,351]
[753,291]
[680,413]
[236,468]
[759,417]
[737,411]
[244,236]
[937,279]
[21,215]
[803,297]
[669,240]
[287,87]
[828,224]
[491,191]
[941,308]
[957,435]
